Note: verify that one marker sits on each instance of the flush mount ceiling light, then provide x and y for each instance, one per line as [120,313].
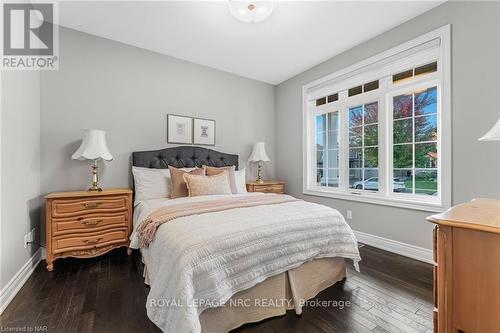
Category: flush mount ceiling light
[251,11]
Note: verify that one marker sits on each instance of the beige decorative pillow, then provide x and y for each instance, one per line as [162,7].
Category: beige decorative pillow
[207,185]
[212,171]
[178,184]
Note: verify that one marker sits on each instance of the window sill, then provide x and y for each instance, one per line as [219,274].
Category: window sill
[409,203]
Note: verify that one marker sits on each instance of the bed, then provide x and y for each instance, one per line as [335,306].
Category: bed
[216,271]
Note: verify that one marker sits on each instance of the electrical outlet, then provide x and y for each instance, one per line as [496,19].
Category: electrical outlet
[349,214]
[29,238]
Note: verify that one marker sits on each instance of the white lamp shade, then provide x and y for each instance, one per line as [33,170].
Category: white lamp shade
[93,146]
[259,153]
[493,134]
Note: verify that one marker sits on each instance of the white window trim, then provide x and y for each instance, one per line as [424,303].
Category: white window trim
[356,74]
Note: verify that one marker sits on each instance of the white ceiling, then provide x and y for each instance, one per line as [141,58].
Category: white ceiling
[297,35]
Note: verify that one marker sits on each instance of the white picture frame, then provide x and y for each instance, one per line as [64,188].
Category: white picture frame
[179,129]
[204,132]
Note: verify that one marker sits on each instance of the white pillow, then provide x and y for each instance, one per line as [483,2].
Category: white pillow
[240,180]
[150,184]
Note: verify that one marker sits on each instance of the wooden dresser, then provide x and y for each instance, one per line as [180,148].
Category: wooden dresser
[267,186]
[86,224]
[467,268]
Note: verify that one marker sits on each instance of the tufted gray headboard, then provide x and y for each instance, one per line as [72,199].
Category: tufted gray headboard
[182,157]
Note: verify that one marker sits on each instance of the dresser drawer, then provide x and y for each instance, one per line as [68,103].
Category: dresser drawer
[89,223]
[62,208]
[270,189]
[75,242]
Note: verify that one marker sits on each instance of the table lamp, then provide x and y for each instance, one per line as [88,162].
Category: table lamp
[493,134]
[93,148]
[259,155]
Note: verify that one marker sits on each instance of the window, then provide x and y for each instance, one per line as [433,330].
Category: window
[415,72]
[379,131]
[415,136]
[363,146]
[327,99]
[327,149]
[321,101]
[370,86]
[363,88]
[355,91]
[333,98]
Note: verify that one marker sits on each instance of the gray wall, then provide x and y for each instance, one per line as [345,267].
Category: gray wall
[475,108]
[128,92]
[20,177]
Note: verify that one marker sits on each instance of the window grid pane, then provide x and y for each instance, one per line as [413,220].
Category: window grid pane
[327,153]
[321,101]
[426,69]
[403,75]
[415,161]
[355,91]
[363,147]
[370,86]
[414,72]
[333,98]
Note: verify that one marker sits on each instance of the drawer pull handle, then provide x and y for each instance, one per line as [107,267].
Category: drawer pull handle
[91,204]
[91,222]
[91,241]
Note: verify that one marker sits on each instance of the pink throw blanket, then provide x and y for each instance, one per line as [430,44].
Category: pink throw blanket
[147,229]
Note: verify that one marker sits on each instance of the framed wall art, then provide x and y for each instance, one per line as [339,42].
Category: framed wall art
[179,129]
[204,132]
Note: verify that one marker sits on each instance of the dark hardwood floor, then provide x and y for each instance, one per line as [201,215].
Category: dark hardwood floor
[106,294]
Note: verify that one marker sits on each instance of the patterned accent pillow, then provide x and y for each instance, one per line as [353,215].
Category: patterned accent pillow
[212,171]
[178,184]
[207,185]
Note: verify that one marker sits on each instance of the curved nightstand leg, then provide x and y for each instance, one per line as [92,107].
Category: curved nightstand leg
[50,266]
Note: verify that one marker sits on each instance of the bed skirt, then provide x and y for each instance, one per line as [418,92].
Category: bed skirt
[274,296]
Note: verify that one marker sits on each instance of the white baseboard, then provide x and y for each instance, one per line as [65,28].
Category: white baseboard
[15,284]
[407,250]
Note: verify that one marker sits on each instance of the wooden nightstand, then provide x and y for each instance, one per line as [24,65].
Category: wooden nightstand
[86,224]
[266,187]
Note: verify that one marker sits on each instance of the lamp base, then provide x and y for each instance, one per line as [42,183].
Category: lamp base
[259,174]
[95,180]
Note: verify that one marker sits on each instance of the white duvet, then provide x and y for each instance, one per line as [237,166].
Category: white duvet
[200,261]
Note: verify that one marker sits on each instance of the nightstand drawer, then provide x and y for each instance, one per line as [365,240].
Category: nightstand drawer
[269,189]
[88,223]
[75,242]
[61,208]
